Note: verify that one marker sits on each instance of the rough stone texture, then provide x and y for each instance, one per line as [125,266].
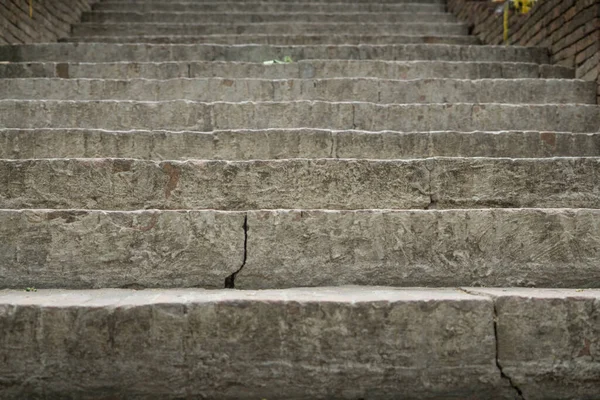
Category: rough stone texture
[94,249]
[105,52]
[374,90]
[273,29]
[281,39]
[290,143]
[309,69]
[128,184]
[549,341]
[422,248]
[305,343]
[51,19]
[247,17]
[266,7]
[199,116]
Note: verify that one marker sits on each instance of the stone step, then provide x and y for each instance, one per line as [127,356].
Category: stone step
[109,52]
[338,184]
[291,143]
[268,7]
[301,343]
[247,18]
[206,117]
[318,69]
[80,249]
[539,91]
[279,39]
[275,29]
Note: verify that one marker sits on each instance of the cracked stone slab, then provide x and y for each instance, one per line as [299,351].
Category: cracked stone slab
[231,17]
[273,29]
[199,116]
[338,184]
[280,39]
[105,52]
[502,247]
[276,144]
[345,343]
[549,341]
[91,249]
[374,90]
[314,69]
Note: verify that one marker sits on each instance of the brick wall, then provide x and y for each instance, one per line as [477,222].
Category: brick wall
[570,29]
[51,20]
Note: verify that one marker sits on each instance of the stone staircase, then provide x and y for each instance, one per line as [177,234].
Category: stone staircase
[421,211]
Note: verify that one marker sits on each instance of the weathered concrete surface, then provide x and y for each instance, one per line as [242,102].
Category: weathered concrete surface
[549,341]
[276,144]
[199,116]
[281,39]
[94,249]
[275,29]
[247,17]
[374,90]
[309,69]
[343,184]
[343,343]
[106,52]
[502,247]
[268,7]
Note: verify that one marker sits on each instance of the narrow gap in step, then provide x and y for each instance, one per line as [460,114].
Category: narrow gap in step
[230,280]
[432,199]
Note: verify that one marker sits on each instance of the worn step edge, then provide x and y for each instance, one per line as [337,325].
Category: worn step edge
[280,39]
[199,116]
[300,69]
[273,28]
[290,143]
[302,342]
[342,184]
[105,52]
[374,90]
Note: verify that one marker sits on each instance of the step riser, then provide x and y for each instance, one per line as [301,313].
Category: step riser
[245,18]
[275,29]
[278,40]
[90,249]
[126,184]
[297,143]
[107,52]
[366,90]
[265,7]
[206,117]
[182,344]
[303,70]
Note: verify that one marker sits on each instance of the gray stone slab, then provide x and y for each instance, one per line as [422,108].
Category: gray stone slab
[315,69]
[107,52]
[94,249]
[344,343]
[280,39]
[501,247]
[269,7]
[290,143]
[198,116]
[549,341]
[344,184]
[383,91]
[273,28]
[232,17]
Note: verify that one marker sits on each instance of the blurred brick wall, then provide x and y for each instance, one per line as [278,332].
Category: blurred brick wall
[51,20]
[570,29]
